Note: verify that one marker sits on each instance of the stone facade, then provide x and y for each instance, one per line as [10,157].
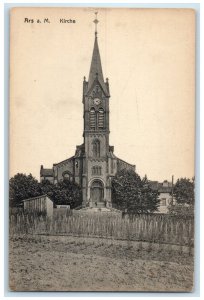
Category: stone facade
[94,163]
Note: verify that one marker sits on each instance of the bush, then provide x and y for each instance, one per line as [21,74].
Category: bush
[181,210]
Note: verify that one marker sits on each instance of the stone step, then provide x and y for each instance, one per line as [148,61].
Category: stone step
[98,204]
[97,210]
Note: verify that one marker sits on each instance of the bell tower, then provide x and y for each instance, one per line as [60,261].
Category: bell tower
[94,163]
[96,128]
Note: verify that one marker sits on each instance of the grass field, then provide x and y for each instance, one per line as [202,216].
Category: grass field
[66,263]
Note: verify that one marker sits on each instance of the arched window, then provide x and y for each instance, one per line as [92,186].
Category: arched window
[99,171]
[101,118]
[96,170]
[93,170]
[96,148]
[92,118]
[67,176]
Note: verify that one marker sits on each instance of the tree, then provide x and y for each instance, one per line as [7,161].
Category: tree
[22,187]
[48,188]
[150,199]
[65,192]
[184,191]
[131,193]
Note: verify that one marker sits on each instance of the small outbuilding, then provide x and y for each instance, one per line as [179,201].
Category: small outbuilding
[39,204]
[63,206]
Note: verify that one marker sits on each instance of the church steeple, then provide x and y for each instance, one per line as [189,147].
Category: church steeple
[96,68]
[96,72]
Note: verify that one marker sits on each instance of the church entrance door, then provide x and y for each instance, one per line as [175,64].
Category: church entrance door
[97,191]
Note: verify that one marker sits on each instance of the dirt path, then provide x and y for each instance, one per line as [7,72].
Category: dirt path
[78,264]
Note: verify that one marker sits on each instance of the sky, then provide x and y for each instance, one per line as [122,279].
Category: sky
[148,56]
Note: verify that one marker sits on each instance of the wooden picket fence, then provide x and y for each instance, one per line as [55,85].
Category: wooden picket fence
[151,228]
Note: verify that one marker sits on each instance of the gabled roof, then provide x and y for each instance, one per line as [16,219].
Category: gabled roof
[46,172]
[158,186]
[119,160]
[64,161]
[96,72]
[165,189]
[37,197]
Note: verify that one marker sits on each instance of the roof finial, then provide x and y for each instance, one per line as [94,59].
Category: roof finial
[96,22]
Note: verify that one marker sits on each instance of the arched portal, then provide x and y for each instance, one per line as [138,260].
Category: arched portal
[97,191]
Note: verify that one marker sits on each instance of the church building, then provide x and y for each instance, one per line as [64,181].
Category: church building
[94,164]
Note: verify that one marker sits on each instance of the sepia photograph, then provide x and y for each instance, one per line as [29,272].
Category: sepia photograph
[101,149]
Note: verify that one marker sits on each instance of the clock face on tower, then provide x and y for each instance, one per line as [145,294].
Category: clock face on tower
[97,101]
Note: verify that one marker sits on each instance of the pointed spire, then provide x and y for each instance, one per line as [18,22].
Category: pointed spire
[96,68]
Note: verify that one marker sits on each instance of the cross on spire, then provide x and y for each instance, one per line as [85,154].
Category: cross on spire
[96,22]
[95,73]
